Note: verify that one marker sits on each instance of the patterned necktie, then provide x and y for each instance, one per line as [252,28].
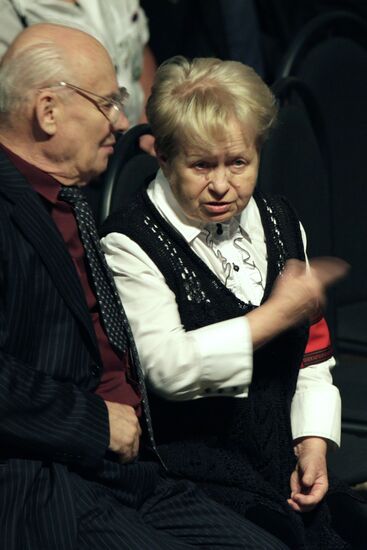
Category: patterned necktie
[104,286]
[113,314]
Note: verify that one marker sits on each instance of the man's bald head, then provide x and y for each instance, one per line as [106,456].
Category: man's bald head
[68,39]
[44,54]
[58,103]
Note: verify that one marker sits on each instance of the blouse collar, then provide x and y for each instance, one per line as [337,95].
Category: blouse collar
[160,193]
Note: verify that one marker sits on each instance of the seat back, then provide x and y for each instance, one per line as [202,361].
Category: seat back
[330,56]
[293,162]
[128,170]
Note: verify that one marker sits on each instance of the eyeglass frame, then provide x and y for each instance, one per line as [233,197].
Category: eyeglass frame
[112,104]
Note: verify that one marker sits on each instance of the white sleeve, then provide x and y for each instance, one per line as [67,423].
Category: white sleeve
[179,365]
[316,405]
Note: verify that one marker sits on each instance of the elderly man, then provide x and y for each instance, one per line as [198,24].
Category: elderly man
[71,396]
[120,25]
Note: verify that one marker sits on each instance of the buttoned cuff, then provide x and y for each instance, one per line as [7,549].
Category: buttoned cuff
[317,413]
[231,344]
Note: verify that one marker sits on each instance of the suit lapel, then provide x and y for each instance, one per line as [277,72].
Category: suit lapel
[38,228]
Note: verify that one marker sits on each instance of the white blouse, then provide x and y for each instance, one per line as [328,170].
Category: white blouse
[216,359]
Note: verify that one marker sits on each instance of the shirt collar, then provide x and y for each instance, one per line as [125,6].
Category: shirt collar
[44,184]
[160,193]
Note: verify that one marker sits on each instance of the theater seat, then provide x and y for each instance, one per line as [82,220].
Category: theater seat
[129,168]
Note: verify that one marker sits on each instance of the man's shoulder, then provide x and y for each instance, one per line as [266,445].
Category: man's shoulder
[5,195]
[13,185]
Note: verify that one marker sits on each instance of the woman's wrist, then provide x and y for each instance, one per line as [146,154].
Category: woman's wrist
[310,444]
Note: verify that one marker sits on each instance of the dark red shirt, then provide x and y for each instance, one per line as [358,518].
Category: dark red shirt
[114,385]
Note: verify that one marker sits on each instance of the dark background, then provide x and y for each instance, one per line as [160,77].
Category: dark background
[195,27]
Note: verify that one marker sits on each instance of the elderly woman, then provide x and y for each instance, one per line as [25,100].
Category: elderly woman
[214,281]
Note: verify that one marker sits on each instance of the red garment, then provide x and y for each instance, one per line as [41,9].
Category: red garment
[318,347]
[114,384]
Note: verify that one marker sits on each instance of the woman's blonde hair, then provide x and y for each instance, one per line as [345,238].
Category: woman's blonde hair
[192,103]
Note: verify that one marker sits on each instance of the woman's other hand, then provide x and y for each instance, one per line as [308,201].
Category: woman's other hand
[309,480]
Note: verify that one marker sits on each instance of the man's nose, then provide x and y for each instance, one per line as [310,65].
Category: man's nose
[122,123]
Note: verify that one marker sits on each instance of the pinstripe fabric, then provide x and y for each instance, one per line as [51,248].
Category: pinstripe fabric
[53,426]
[174,516]
[48,369]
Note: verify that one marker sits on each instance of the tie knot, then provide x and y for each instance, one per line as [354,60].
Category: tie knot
[71,194]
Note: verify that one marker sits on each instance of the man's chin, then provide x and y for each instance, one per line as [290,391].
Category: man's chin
[100,168]
[93,175]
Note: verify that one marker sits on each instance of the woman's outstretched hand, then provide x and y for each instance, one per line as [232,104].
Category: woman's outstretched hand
[298,295]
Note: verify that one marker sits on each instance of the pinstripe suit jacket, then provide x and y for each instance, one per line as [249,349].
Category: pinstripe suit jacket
[50,420]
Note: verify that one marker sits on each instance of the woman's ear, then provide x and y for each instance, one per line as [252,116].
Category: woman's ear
[46,110]
[163,163]
[162,159]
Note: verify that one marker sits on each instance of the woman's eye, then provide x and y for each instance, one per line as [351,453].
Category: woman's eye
[201,165]
[238,163]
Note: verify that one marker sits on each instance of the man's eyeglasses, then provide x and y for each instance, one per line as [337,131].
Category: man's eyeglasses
[110,107]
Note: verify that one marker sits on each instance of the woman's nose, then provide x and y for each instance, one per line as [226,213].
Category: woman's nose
[218,181]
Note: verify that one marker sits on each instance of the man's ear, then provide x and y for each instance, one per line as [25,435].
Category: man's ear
[47,108]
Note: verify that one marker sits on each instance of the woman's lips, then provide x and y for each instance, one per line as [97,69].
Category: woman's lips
[217,207]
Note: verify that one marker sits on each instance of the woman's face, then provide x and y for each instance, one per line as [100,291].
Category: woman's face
[215,185]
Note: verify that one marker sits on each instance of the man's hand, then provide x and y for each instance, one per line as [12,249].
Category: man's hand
[125,431]
[309,481]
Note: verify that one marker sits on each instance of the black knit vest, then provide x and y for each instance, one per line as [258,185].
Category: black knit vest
[224,439]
